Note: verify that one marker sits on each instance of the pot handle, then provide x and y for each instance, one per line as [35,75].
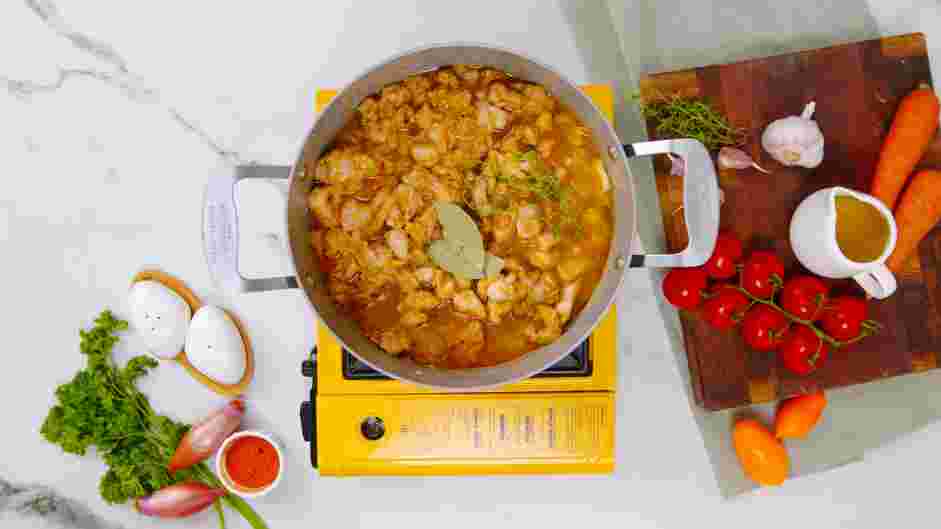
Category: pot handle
[700,202]
[221,228]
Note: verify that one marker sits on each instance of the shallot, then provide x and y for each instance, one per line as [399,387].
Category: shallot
[207,436]
[179,501]
[731,158]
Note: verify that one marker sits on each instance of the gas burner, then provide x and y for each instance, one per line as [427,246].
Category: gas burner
[576,364]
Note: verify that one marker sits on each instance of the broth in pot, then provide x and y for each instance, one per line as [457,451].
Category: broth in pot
[463,219]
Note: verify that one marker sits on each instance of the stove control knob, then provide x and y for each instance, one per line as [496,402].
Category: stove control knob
[307,420]
[372,428]
[308,368]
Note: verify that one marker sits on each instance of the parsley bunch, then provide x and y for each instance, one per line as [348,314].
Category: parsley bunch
[101,407]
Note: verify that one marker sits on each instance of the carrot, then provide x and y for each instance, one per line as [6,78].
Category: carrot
[913,128]
[918,212]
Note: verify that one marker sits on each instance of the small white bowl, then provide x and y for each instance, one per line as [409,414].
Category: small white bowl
[234,487]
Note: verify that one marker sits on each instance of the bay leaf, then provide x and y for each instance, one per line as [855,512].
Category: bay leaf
[477,257]
[449,256]
[461,230]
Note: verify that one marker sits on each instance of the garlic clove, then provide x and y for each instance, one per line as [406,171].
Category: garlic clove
[160,316]
[677,165]
[732,158]
[795,140]
[214,345]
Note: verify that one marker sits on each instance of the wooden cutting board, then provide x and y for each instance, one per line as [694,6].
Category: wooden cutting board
[857,88]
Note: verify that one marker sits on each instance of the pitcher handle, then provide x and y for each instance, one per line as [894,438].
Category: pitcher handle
[879,282]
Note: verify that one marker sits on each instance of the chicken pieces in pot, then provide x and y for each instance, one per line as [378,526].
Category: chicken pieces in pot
[519,164]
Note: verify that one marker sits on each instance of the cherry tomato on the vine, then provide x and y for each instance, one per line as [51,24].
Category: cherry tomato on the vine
[803,351]
[724,309]
[725,257]
[683,287]
[843,316]
[764,328]
[763,270]
[804,297]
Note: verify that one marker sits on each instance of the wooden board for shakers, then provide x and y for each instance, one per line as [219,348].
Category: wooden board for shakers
[857,88]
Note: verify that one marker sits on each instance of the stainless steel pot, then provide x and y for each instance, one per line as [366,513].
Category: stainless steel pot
[700,198]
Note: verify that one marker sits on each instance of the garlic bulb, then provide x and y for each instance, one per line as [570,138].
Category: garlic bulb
[795,140]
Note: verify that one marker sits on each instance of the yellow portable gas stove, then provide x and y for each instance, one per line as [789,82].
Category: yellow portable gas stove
[360,422]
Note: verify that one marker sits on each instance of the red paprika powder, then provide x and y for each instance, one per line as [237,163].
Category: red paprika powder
[252,462]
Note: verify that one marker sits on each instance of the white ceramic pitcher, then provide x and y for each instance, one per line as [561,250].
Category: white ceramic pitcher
[813,239]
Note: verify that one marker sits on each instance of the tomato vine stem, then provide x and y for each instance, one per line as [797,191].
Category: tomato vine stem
[869,327]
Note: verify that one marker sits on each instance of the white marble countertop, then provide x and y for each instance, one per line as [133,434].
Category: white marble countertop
[112,116]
